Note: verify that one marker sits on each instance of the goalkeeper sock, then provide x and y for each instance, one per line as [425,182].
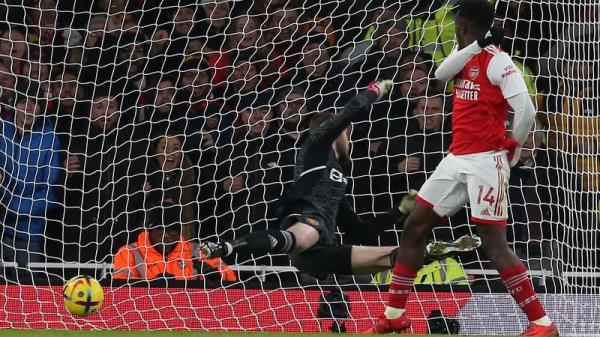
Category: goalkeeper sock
[402,283]
[520,288]
[263,242]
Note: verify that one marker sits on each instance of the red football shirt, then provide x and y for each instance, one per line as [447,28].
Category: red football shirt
[480,106]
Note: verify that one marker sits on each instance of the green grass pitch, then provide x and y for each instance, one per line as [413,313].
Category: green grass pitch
[64,333]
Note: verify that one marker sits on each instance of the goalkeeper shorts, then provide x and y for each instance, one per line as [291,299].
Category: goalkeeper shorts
[322,260]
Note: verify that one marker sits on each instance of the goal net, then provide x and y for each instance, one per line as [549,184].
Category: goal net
[114,110]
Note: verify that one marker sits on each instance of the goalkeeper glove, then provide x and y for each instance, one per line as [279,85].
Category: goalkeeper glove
[408,202]
[494,36]
[380,88]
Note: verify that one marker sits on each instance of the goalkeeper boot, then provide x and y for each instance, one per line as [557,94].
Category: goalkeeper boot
[385,325]
[463,244]
[211,250]
[536,330]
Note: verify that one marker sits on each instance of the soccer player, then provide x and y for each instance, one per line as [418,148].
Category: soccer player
[307,215]
[316,203]
[477,168]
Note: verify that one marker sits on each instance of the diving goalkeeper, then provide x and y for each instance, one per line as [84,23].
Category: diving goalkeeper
[316,203]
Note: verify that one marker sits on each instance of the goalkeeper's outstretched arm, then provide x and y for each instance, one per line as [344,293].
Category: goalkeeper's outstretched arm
[321,138]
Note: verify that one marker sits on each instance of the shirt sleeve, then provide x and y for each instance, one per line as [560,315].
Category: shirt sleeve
[456,61]
[504,73]
[524,118]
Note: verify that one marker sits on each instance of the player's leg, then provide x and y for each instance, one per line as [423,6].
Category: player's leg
[371,259]
[489,211]
[514,276]
[441,195]
[296,238]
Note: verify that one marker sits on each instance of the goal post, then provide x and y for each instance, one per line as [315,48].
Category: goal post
[113,108]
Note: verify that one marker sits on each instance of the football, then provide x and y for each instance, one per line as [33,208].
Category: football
[83,295]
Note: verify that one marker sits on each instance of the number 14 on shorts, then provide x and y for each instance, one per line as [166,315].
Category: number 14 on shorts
[488,196]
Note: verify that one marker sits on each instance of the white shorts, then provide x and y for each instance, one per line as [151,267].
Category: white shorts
[479,178]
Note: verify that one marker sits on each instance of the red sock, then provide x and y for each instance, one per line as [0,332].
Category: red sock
[517,282]
[402,283]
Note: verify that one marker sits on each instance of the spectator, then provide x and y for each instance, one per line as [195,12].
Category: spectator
[194,83]
[242,36]
[158,42]
[389,43]
[39,72]
[382,16]
[246,180]
[7,91]
[283,32]
[244,33]
[67,105]
[99,54]
[204,113]
[379,150]
[67,110]
[161,251]
[171,40]
[119,16]
[415,83]
[163,112]
[534,197]
[243,79]
[104,182]
[416,59]
[327,85]
[431,28]
[171,177]
[44,30]
[129,73]
[13,48]
[292,112]
[384,34]
[29,168]
[389,117]
[217,13]
[320,26]
[415,156]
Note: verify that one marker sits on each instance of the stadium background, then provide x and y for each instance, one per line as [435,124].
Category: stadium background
[70,52]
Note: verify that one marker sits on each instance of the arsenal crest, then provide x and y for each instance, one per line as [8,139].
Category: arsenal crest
[473,73]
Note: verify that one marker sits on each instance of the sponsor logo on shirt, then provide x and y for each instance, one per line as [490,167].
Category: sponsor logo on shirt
[508,70]
[466,90]
[337,176]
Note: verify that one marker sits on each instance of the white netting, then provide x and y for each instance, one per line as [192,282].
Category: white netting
[202,103]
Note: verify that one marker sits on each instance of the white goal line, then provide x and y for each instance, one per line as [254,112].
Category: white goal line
[107,267]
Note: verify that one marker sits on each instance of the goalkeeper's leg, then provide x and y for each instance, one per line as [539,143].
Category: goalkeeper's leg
[296,238]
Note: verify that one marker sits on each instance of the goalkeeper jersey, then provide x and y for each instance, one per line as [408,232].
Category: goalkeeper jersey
[319,183]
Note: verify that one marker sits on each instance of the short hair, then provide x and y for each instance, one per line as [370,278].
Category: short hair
[319,118]
[283,93]
[479,12]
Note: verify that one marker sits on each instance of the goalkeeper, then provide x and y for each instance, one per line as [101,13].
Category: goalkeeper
[316,203]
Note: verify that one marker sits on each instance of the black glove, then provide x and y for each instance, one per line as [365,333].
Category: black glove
[494,36]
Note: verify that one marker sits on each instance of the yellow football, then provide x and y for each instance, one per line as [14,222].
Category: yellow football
[83,295]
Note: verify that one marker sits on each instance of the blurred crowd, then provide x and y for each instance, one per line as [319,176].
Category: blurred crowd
[114,107]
